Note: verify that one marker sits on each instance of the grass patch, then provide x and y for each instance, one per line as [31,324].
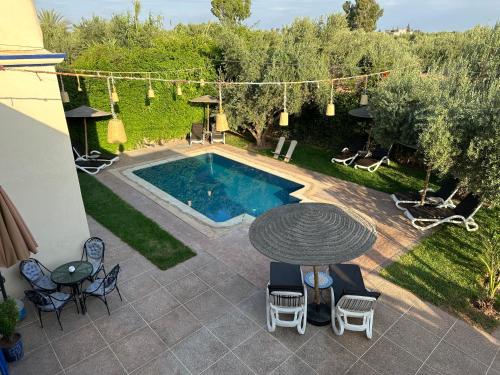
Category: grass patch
[444,269]
[137,230]
[389,179]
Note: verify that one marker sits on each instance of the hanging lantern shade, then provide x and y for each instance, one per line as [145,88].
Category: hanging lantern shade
[363,100]
[221,123]
[202,82]
[79,88]
[151,93]
[114,96]
[116,131]
[330,109]
[178,90]
[284,118]
[64,97]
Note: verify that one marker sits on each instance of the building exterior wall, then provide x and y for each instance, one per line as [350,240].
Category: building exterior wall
[36,162]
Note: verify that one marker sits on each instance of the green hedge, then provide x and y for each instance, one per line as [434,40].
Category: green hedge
[165,117]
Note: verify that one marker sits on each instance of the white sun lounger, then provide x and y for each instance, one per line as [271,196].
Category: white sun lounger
[279,146]
[290,151]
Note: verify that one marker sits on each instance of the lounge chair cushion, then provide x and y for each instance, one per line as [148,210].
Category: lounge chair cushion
[90,163]
[346,277]
[361,293]
[430,212]
[285,277]
[45,283]
[345,155]
[367,162]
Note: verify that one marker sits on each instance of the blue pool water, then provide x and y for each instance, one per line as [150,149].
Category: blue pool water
[220,188]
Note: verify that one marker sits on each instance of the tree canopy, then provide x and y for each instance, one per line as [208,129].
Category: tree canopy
[363,14]
[231,11]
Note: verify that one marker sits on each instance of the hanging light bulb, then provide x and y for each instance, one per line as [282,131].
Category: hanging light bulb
[284,113]
[330,108]
[364,96]
[116,129]
[221,123]
[64,94]
[151,92]
[178,89]
[79,88]
[114,94]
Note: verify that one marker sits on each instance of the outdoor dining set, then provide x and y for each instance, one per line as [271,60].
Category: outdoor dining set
[53,290]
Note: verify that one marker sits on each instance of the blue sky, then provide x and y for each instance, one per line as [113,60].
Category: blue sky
[427,15]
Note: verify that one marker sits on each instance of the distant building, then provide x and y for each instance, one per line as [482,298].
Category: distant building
[399,31]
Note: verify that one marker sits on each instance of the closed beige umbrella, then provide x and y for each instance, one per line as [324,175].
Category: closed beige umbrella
[16,240]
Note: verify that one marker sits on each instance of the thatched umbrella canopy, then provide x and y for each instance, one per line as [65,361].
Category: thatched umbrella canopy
[362,113]
[86,112]
[207,100]
[312,234]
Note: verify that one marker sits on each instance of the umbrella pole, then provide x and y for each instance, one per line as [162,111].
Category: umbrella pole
[2,286]
[86,138]
[316,286]
[207,117]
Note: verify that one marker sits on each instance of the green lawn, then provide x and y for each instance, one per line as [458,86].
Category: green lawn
[444,269]
[140,232]
[389,179]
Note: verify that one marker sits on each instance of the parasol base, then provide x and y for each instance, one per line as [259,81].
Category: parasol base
[319,315]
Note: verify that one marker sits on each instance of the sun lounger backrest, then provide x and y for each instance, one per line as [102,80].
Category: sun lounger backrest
[448,188]
[380,152]
[279,146]
[468,206]
[289,153]
[197,130]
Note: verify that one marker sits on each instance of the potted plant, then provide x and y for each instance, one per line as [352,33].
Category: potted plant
[11,343]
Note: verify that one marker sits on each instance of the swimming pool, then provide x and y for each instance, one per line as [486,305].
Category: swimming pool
[218,187]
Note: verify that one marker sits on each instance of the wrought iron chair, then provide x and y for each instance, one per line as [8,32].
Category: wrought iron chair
[50,302]
[33,271]
[351,299]
[93,252]
[286,294]
[100,288]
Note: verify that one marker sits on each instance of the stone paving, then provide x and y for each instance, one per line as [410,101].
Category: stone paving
[207,315]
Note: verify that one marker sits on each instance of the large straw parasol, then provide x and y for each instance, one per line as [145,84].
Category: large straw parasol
[86,112]
[207,100]
[362,113]
[16,240]
[312,234]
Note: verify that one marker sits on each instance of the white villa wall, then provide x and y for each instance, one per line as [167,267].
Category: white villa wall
[36,163]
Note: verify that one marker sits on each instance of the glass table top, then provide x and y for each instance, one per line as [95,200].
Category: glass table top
[62,275]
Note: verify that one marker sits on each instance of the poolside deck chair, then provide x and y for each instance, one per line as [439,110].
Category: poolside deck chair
[351,299]
[96,155]
[90,166]
[197,134]
[426,217]
[217,137]
[351,152]
[289,153]
[375,160]
[286,294]
[440,198]
[279,146]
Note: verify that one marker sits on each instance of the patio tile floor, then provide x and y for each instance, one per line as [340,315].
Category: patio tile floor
[219,328]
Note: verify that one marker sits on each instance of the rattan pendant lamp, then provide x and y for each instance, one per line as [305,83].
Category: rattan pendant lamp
[151,92]
[114,95]
[221,124]
[364,96]
[116,129]
[64,93]
[284,113]
[330,108]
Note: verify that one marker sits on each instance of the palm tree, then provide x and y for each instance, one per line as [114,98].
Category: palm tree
[54,29]
[49,18]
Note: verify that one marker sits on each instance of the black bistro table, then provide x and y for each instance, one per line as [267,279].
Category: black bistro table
[312,234]
[62,276]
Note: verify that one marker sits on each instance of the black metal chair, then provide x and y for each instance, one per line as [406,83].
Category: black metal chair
[33,271]
[100,288]
[93,252]
[50,302]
